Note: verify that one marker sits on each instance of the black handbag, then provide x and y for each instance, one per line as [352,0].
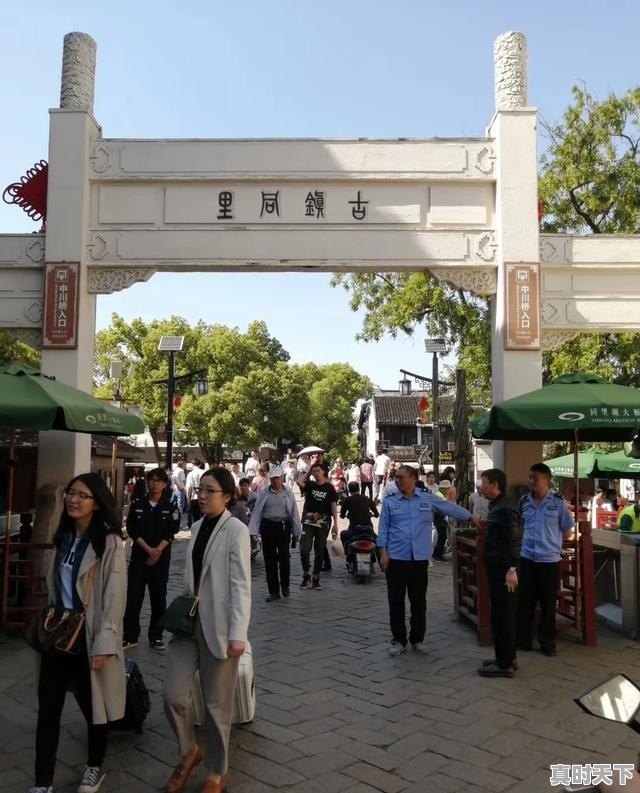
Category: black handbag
[180,618]
[57,630]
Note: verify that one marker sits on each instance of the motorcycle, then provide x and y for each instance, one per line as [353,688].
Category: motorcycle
[617,699]
[256,545]
[361,554]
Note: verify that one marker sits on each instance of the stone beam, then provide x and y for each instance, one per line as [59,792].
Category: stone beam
[200,160]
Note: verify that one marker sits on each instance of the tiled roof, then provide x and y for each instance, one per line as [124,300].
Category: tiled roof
[393,408]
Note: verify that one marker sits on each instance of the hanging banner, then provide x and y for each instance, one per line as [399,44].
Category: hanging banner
[60,327]
[522,330]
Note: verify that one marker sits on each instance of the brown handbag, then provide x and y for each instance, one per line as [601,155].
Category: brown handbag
[57,630]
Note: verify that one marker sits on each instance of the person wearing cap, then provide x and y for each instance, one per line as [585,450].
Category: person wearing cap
[275,517]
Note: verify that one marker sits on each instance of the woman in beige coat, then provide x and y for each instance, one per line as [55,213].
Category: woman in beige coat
[88,564]
[218,570]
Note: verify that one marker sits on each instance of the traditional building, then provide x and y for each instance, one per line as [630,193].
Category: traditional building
[393,421]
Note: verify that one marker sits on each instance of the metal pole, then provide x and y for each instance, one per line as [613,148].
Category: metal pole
[171,384]
[7,534]
[435,418]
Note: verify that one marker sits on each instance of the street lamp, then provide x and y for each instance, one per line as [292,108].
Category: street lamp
[404,386]
[435,346]
[202,385]
[172,345]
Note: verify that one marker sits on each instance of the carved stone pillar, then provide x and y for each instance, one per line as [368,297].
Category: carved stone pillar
[78,72]
[510,71]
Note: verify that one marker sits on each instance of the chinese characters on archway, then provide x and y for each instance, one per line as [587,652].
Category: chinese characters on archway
[60,305]
[268,203]
[523,312]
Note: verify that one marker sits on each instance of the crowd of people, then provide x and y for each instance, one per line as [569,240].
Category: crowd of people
[88,571]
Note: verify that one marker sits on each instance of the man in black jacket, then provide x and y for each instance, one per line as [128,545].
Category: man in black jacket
[503,536]
[151,523]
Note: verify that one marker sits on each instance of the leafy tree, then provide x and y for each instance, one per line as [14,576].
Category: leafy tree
[590,173]
[589,183]
[398,303]
[333,392]
[13,350]
[254,393]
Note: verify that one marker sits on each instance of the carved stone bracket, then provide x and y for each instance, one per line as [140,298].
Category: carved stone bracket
[479,281]
[554,338]
[485,160]
[510,71]
[485,246]
[100,158]
[30,336]
[105,280]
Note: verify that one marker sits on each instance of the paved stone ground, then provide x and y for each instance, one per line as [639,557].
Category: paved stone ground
[336,713]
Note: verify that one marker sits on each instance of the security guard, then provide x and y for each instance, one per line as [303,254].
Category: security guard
[404,541]
[151,523]
[629,518]
[546,522]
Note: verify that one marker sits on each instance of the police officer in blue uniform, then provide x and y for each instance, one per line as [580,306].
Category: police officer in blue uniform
[151,523]
[404,541]
[546,523]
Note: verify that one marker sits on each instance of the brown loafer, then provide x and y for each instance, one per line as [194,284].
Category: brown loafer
[210,786]
[181,772]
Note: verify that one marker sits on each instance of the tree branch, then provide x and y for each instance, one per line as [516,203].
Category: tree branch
[579,211]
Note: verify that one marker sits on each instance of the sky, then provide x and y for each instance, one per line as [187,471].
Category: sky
[288,68]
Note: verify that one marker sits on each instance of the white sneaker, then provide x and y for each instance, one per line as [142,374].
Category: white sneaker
[92,778]
[397,648]
[419,647]
[41,789]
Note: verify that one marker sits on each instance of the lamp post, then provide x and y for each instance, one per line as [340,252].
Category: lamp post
[435,346]
[172,345]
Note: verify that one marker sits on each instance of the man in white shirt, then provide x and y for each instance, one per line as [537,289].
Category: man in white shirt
[380,470]
[193,483]
[252,465]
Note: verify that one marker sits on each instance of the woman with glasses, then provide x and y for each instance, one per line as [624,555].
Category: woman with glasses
[218,571]
[88,565]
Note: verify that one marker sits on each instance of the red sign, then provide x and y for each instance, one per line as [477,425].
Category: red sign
[522,330]
[60,328]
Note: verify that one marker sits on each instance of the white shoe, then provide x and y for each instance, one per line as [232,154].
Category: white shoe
[41,789]
[397,648]
[419,647]
[92,778]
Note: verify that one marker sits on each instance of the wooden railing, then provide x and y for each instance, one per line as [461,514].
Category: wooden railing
[471,588]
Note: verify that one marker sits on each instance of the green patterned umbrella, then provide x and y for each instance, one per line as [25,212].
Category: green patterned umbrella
[30,400]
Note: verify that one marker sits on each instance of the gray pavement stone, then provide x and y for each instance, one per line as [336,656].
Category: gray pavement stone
[335,713]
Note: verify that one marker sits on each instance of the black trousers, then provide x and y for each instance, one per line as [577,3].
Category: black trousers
[194,512]
[276,540]
[363,489]
[503,615]
[442,529]
[57,674]
[537,583]
[313,537]
[404,577]
[140,577]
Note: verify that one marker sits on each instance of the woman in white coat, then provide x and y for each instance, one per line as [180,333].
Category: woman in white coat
[88,564]
[218,570]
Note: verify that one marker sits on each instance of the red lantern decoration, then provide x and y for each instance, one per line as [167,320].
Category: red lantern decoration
[177,401]
[423,410]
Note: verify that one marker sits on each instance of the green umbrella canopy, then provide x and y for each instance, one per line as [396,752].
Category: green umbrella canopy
[617,465]
[563,466]
[30,400]
[596,409]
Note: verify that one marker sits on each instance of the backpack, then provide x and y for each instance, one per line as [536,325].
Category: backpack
[137,704]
